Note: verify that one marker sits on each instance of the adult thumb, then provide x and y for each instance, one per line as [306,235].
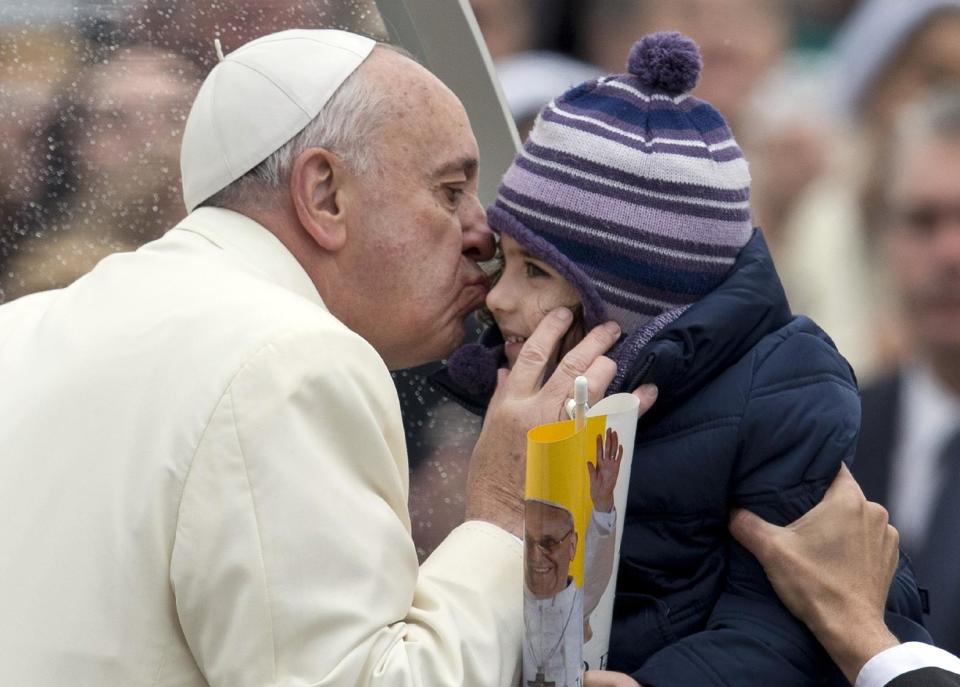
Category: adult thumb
[755,534]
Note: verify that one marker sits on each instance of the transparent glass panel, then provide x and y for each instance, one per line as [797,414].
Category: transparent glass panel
[92,104]
[93,99]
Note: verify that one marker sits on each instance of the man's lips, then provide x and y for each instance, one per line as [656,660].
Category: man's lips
[476,290]
[480,280]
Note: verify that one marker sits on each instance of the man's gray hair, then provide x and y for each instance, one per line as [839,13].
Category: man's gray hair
[348,125]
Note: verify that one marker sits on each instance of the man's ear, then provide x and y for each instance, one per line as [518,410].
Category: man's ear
[316,182]
[573,545]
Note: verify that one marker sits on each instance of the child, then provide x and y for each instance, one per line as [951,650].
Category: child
[630,201]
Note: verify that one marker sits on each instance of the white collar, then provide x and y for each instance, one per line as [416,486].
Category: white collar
[252,243]
[561,599]
[930,410]
[928,415]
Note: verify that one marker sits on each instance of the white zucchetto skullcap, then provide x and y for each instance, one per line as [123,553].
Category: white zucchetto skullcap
[258,98]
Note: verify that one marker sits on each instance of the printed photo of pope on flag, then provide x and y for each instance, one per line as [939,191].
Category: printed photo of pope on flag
[575,489]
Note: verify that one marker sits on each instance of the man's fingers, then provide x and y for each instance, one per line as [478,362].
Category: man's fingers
[647,393]
[502,375]
[585,359]
[893,536]
[844,486]
[755,534]
[599,375]
[538,350]
[878,513]
[613,446]
[893,550]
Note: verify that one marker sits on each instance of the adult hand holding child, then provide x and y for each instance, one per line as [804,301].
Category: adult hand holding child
[523,400]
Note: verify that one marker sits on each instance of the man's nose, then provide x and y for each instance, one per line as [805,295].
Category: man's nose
[478,241]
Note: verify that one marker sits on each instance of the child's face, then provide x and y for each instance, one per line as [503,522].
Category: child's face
[527,290]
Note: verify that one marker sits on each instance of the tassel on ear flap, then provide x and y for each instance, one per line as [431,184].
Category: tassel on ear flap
[474,368]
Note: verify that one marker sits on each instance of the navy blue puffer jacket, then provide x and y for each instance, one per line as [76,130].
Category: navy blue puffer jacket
[756,409]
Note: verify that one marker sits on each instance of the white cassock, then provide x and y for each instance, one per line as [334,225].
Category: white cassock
[559,658]
[553,645]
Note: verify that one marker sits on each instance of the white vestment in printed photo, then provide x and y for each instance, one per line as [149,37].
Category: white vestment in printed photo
[554,638]
[558,658]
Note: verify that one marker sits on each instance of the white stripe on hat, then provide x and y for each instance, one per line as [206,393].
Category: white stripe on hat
[606,181]
[673,167]
[615,82]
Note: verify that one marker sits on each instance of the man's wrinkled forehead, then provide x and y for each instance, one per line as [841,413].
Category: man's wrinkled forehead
[408,85]
[422,110]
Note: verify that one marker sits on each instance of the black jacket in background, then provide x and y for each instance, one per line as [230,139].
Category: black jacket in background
[937,562]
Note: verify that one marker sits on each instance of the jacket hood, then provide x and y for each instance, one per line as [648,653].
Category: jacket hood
[710,335]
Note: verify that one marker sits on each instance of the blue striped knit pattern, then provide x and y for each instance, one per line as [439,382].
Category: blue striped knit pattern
[639,197]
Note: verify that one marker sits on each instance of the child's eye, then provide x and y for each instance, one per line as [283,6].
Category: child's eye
[535,271]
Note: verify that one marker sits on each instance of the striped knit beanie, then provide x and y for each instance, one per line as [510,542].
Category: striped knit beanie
[633,190]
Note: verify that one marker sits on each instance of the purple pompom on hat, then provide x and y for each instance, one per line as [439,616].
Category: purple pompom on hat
[668,62]
[633,190]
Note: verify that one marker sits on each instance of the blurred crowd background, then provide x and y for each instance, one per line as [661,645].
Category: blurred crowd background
[846,109]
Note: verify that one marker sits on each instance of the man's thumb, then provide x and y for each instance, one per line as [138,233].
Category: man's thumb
[753,532]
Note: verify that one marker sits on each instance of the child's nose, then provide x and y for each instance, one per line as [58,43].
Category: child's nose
[498,298]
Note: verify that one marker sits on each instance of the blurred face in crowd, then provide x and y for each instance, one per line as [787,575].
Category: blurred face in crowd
[133,111]
[506,25]
[924,240]
[189,26]
[526,290]
[929,60]
[25,112]
[740,40]
[551,544]
[408,274]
